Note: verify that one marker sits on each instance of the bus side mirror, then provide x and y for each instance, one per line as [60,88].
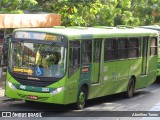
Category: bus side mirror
[5,48]
[5,54]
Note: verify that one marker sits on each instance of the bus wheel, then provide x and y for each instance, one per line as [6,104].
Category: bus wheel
[131,88]
[29,102]
[82,96]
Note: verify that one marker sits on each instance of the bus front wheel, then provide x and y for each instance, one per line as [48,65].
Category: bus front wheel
[82,96]
[29,102]
[131,88]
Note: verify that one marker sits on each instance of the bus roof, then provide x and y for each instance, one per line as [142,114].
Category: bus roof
[153,27]
[92,32]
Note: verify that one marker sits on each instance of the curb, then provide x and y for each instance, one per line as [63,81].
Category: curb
[3,98]
[2,92]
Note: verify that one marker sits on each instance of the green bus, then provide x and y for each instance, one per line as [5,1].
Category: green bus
[156,27]
[64,65]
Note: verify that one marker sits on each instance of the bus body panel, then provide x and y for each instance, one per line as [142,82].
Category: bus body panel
[107,81]
[122,76]
[72,84]
[135,70]
[151,71]
[158,70]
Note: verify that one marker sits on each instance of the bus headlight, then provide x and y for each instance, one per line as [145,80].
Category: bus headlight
[11,85]
[58,90]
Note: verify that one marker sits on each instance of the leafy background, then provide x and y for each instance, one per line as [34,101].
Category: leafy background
[90,12]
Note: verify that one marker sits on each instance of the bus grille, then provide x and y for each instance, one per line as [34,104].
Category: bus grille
[34,83]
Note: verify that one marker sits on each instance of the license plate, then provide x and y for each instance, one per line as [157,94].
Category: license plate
[32,97]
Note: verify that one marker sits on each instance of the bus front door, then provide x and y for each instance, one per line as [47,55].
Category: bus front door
[86,66]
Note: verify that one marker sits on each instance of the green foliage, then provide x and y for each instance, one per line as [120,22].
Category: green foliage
[144,11]
[91,12]
[16,6]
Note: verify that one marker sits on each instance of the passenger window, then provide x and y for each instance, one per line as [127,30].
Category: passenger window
[86,52]
[97,50]
[153,46]
[122,48]
[134,48]
[110,52]
[74,57]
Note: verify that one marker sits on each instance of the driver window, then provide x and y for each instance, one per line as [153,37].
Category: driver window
[74,57]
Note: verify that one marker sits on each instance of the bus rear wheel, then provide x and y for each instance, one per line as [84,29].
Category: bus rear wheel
[82,96]
[131,88]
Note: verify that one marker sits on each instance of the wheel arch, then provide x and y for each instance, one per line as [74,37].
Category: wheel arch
[86,86]
[134,78]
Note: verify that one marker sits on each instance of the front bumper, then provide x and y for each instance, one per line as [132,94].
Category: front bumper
[13,91]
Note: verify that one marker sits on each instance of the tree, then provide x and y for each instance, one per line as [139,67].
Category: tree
[16,6]
[144,10]
[91,12]
[83,12]
[126,17]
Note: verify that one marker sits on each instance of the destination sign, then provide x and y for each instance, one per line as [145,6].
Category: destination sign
[22,70]
[37,36]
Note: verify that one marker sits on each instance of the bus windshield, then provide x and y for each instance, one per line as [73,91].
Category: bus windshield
[37,59]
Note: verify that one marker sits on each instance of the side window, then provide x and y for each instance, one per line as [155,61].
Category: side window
[74,56]
[97,50]
[122,48]
[86,51]
[134,48]
[153,46]
[110,51]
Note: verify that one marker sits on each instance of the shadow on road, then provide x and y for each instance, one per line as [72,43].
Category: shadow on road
[36,106]
[67,110]
[114,98]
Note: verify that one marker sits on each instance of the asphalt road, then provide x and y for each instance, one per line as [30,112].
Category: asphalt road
[113,107]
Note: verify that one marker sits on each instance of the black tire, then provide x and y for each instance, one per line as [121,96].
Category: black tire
[29,102]
[157,79]
[130,89]
[82,97]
